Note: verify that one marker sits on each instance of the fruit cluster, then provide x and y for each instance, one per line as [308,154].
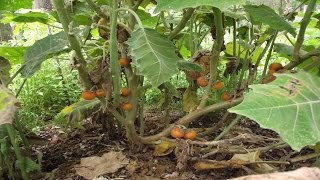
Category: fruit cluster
[89,95]
[181,132]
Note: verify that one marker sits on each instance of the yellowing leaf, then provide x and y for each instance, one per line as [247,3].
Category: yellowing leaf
[163,149]
[190,100]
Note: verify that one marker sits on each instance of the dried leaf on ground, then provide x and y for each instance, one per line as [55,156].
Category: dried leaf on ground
[94,166]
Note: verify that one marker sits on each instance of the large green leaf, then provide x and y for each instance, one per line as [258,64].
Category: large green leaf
[153,55]
[7,105]
[42,50]
[30,17]
[289,105]
[178,4]
[13,54]
[266,15]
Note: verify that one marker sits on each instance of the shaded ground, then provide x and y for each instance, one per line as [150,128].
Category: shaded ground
[59,158]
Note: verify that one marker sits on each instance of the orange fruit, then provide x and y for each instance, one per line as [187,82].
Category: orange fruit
[126,106]
[275,66]
[88,95]
[100,93]
[124,62]
[268,78]
[201,81]
[177,132]
[124,92]
[226,96]
[190,134]
[218,85]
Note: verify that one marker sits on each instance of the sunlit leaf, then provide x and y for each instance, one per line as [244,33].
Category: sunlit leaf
[13,54]
[13,5]
[153,55]
[177,5]
[30,17]
[289,106]
[267,15]
[7,105]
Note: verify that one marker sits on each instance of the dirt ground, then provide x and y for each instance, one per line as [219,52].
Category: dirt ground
[60,157]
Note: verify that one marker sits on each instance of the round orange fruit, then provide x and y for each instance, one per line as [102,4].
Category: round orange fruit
[124,62]
[124,92]
[177,132]
[201,81]
[218,85]
[190,134]
[88,95]
[226,96]
[126,106]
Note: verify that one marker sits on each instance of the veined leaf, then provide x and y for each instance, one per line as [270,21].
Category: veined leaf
[289,105]
[7,105]
[42,50]
[178,5]
[153,55]
[189,66]
[266,15]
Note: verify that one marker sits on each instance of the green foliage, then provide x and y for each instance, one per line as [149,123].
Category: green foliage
[188,66]
[13,54]
[13,5]
[266,15]
[177,5]
[289,105]
[153,55]
[41,51]
[30,17]
[46,93]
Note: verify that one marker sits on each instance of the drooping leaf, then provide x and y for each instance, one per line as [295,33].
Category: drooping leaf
[189,66]
[153,55]
[30,17]
[177,5]
[289,106]
[13,5]
[42,50]
[190,100]
[7,105]
[13,54]
[266,15]
[74,114]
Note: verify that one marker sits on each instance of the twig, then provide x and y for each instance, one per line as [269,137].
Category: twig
[192,116]
[181,24]
[305,157]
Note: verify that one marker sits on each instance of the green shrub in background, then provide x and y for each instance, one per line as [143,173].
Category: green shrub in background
[46,93]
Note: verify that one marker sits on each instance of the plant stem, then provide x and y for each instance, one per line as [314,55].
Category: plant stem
[228,128]
[303,26]
[192,116]
[269,56]
[96,8]
[181,24]
[214,59]
[74,43]
[115,67]
[16,148]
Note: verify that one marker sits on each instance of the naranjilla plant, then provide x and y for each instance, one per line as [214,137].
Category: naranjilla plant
[135,48]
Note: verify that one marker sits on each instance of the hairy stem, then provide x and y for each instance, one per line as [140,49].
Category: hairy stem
[214,59]
[73,41]
[181,24]
[304,23]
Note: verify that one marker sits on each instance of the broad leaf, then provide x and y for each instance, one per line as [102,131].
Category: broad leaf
[146,19]
[178,5]
[30,17]
[289,105]
[254,57]
[13,54]
[74,114]
[153,55]
[42,50]
[285,50]
[190,100]
[7,105]
[266,15]
[189,66]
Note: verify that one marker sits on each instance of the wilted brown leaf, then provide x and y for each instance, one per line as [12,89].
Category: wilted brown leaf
[94,166]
